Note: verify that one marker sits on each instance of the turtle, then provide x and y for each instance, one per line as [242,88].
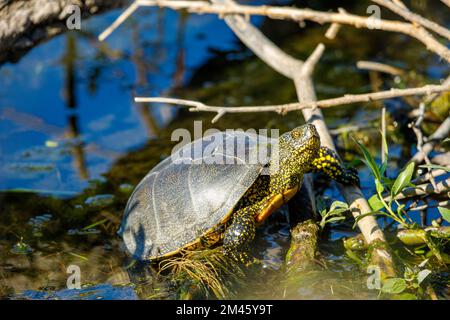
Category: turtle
[204,193]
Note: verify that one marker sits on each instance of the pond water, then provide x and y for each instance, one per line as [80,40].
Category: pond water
[74,144]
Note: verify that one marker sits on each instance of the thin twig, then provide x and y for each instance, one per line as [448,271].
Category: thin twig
[332,31]
[442,132]
[283,108]
[380,67]
[427,176]
[124,16]
[444,203]
[419,135]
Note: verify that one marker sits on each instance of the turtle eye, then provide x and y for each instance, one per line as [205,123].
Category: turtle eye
[295,134]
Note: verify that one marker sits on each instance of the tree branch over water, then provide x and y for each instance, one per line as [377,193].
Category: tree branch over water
[284,108]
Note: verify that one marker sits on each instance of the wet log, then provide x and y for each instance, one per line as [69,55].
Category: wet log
[302,250]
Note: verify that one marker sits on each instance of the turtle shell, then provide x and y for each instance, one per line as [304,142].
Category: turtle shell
[191,192]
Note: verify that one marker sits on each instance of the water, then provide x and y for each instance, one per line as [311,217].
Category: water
[73,143]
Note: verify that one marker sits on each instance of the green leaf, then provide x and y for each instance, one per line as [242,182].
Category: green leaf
[334,219]
[403,179]
[337,212]
[369,160]
[94,224]
[379,186]
[338,205]
[375,203]
[422,275]
[394,285]
[78,256]
[445,213]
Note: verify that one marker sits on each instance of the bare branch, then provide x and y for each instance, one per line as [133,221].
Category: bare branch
[380,67]
[332,31]
[124,16]
[283,108]
[415,18]
[312,60]
[427,176]
[446,2]
[441,133]
[419,135]
[445,203]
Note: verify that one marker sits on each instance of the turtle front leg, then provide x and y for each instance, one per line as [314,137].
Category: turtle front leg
[239,235]
[328,162]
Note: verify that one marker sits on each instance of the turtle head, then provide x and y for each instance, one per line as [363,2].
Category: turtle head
[298,148]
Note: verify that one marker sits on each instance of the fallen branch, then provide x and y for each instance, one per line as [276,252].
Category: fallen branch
[284,108]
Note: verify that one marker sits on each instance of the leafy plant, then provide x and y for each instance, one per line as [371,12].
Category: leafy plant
[335,213]
[413,280]
[379,201]
[384,202]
